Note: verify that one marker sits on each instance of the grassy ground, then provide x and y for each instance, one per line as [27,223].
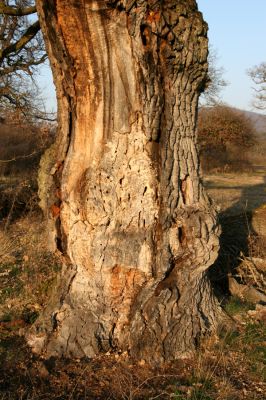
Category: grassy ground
[229,366]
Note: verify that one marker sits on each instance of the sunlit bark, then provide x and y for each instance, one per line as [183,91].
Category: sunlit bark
[121,187]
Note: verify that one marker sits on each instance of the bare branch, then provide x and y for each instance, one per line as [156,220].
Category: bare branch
[21,43]
[21,157]
[16,11]
[45,118]
[215,82]
[258,76]
[23,66]
[21,52]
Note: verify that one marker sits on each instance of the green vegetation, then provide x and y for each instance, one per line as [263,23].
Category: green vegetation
[235,306]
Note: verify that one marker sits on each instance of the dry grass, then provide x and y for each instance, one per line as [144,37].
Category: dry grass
[6,247]
[22,145]
[27,269]
[237,193]
[228,367]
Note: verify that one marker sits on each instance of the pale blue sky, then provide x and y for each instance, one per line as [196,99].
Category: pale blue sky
[237,30]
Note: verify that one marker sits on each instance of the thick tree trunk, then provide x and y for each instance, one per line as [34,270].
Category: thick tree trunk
[121,187]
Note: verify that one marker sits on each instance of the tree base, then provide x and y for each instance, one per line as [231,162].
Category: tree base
[169,325]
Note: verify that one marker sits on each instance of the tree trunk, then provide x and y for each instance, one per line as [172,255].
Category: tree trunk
[121,186]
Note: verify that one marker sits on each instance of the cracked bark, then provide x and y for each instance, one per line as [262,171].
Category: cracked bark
[121,187]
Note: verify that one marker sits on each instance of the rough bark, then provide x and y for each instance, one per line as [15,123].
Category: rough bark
[121,186]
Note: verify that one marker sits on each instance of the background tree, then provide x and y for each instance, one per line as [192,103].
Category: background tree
[21,53]
[23,137]
[258,76]
[222,132]
[215,82]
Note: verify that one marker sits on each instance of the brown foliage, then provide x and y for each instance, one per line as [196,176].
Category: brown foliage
[224,135]
[22,144]
[223,125]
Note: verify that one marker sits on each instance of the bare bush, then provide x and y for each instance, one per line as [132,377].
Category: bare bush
[225,136]
[23,143]
[258,76]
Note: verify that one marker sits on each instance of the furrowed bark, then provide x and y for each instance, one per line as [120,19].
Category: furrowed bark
[121,187]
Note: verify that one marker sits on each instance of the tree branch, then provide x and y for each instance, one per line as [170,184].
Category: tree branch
[21,43]
[23,66]
[21,157]
[16,11]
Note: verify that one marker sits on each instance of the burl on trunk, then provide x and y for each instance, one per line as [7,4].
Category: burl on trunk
[120,186]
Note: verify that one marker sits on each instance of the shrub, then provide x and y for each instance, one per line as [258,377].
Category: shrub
[22,144]
[224,136]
